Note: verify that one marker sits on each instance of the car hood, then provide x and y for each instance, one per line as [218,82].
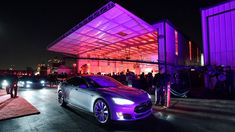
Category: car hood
[125,92]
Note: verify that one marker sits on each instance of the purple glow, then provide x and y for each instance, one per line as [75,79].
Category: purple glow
[174,47]
[118,34]
[104,81]
[116,28]
[218,34]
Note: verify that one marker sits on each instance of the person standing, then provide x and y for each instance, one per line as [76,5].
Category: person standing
[229,81]
[143,82]
[149,81]
[13,87]
[160,82]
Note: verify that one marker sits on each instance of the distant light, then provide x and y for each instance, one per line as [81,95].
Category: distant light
[202,60]
[29,82]
[42,81]
[36,73]
[5,83]
[21,84]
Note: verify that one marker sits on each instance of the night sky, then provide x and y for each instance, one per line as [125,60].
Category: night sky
[27,28]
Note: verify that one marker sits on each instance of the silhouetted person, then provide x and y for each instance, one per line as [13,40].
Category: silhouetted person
[13,88]
[160,81]
[229,80]
[143,82]
[149,81]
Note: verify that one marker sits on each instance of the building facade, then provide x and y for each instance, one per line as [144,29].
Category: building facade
[218,26]
[175,47]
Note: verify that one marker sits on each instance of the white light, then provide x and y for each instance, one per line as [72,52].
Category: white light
[29,82]
[42,81]
[121,101]
[5,83]
[27,86]
[149,96]
[20,84]
[202,60]
[120,115]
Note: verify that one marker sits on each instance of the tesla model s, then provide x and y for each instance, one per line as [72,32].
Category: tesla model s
[106,98]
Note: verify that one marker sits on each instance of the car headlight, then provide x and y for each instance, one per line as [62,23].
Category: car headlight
[20,83]
[29,82]
[121,101]
[149,96]
[28,86]
[5,83]
[42,81]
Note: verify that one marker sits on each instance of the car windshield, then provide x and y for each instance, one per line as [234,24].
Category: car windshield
[33,79]
[103,81]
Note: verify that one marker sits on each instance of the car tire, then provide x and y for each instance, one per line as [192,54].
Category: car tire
[61,100]
[101,112]
[8,90]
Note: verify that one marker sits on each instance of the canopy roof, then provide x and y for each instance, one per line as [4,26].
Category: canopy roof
[111,32]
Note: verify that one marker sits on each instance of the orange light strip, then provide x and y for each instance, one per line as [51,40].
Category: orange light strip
[190,50]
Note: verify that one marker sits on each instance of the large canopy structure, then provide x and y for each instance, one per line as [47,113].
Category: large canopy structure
[111,32]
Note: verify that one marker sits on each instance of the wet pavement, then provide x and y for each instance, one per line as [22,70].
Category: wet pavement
[56,118]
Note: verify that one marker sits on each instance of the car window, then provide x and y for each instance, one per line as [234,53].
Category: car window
[104,81]
[77,81]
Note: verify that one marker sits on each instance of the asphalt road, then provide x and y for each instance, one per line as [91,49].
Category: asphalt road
[55,118]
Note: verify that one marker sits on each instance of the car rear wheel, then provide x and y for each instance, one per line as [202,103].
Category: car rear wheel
[61,99]
[101,112]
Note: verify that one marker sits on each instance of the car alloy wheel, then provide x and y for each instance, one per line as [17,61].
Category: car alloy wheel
[101,112]
[61,99]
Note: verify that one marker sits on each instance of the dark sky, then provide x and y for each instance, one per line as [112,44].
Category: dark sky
[26,28]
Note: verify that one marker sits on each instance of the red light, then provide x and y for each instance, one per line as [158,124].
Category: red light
[190,50]
[176,43]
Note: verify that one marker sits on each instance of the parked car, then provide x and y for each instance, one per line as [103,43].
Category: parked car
[106,98]
[31,82]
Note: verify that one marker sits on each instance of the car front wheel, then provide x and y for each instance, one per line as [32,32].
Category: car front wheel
[101,112]
[61,99]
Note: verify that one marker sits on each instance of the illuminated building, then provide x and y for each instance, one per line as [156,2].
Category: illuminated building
[218,25]
[113,39]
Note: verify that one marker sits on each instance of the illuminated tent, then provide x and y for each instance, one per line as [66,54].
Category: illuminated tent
[111,32]
[113,39]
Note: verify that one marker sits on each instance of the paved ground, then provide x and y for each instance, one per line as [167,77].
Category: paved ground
[56,118]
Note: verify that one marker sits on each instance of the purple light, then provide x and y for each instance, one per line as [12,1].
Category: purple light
[116,26]
[218,34]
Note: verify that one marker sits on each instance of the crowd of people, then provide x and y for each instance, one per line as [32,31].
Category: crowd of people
[216,80]
[219,80]
[151,83]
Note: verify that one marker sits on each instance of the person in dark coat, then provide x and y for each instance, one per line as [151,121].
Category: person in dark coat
[13,87]
[160,82]
[229,80]
[143,82]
